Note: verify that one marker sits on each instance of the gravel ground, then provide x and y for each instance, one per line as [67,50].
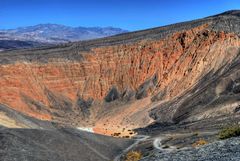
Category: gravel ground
[227,150]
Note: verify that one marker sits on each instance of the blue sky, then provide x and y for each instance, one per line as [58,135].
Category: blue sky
[126,14]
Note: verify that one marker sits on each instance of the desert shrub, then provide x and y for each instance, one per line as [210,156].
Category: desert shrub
[133,156]
[200,142]
[229,132]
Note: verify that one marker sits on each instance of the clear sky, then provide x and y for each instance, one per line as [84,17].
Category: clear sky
[126,14]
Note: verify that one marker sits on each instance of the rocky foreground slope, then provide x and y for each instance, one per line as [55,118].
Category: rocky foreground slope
[176,78]
[218,151]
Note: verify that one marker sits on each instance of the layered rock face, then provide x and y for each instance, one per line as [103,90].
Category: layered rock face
[71,78]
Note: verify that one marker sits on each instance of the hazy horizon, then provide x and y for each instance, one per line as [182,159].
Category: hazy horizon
[62,25]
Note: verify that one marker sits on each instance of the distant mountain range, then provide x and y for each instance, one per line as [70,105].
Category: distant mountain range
[43,34]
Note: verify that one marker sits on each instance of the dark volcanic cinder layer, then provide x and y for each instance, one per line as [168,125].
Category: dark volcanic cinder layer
[58,145]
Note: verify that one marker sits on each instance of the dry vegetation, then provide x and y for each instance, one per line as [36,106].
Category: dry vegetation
[133,156]
[229,132]
[200,142]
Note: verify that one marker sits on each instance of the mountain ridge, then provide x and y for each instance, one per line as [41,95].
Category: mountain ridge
[55,34]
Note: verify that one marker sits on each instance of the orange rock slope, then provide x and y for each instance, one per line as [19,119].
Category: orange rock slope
[176,62]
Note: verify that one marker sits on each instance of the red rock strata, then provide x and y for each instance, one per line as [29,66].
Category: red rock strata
[177,62]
